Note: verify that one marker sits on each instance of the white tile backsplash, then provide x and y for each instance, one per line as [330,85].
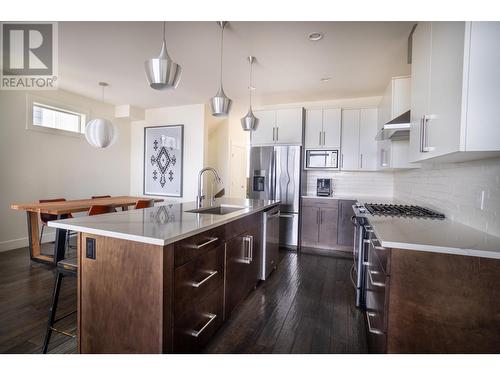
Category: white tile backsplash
[455,190]
[378,184]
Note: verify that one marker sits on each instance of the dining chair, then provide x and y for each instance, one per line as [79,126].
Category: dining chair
[144,203]
[98,209]
[45,218]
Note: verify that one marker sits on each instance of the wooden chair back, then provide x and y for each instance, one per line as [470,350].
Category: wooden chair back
[48,217]
[144,203]
[100,209]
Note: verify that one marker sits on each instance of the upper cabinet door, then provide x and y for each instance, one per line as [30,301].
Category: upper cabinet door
[420,86]
[442,121]
[314,128]
[265,133]
[367,143]
[289,124]
[349,158]
[332,122]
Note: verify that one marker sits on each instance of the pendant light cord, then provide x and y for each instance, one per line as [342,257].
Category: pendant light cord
[164,34]
[250,86]
[102,99]
[221,51]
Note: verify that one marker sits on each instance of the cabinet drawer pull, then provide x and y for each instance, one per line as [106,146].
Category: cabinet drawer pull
[376,283]
[248,258]
[375,331]
[377,247]
[286,216]
[211,318]
[213,239]
[200,283]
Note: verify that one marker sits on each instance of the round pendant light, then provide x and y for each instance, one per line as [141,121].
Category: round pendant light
[100,132]
[250,122]
[220,104]
[162,72]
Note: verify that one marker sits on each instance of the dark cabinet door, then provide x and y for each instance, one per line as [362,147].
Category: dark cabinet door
[345,226]
[327,228]
[242,267]
[310,226]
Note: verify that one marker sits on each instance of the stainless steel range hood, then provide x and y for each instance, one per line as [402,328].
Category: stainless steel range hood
[396,129]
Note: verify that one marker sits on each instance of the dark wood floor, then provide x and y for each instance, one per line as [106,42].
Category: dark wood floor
[306,306]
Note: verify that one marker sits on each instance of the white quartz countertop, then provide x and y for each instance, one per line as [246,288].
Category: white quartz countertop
[162,224]
[440,236]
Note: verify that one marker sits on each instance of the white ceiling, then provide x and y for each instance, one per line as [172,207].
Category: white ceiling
[360,58]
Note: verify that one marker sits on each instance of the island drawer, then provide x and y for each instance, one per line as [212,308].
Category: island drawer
[191,247]
[198,300]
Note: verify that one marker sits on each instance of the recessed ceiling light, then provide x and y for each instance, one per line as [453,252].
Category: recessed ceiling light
[314,37]
[325,79]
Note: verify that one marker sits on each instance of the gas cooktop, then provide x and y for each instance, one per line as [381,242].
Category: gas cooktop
[402,210]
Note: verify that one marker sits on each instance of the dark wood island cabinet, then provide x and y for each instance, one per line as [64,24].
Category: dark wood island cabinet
[137,297]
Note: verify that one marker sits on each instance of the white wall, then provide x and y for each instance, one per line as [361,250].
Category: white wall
[36,165]
[193,119]
[455,189]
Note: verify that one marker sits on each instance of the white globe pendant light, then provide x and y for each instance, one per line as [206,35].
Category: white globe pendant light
[250,122]
[162,72]
[220,104]
[100,132]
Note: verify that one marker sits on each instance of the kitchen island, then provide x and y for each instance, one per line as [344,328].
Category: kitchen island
[165,278]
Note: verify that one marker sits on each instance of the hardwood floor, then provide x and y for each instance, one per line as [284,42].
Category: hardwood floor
[306,306]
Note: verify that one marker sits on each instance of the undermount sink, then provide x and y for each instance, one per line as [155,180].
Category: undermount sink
[217,210]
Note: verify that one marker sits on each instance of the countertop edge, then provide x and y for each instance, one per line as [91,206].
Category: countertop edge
[151,240]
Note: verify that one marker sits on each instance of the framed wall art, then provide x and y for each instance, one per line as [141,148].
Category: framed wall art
[163,160]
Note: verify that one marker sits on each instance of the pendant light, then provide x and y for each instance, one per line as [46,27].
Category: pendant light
[162,72]
[250,122]
[220,104]
[99,132]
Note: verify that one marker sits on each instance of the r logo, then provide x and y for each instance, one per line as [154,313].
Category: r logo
[27,49]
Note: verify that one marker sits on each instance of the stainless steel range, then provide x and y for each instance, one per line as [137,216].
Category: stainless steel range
[402,210]
[364,232]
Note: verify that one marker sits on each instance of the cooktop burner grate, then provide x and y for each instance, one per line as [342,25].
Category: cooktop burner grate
[402,210]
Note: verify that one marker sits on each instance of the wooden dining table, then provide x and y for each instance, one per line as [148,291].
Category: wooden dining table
[62,209]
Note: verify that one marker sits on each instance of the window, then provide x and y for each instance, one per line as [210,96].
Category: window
[57,118]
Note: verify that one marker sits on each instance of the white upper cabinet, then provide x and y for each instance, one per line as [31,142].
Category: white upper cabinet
[395,102]
[367,143]
[332,122]
[282,126]
[323,128]
[265,132]
[359,147]
[455,80]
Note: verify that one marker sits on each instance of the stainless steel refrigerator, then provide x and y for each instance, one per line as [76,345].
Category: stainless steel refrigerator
[275,174]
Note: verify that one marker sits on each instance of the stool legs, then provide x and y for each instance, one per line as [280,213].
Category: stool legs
[52,311]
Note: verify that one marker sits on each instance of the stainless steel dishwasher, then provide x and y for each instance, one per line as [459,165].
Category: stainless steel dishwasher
[270,241]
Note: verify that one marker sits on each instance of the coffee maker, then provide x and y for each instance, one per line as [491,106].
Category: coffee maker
[324,187]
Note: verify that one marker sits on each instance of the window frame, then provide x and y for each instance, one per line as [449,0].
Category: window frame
[57,105]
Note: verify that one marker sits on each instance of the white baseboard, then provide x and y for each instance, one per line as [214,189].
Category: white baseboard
[48,236]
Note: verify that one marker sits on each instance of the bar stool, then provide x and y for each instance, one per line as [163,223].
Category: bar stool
[65,267]
[144,203]
[45,218]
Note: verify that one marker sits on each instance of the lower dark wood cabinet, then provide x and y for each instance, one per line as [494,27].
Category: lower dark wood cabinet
[345,226]
[198,300]
[242,267]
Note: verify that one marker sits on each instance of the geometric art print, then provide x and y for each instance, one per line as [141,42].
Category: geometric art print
[163,152]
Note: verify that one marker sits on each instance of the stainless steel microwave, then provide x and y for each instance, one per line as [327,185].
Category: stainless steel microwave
[322,159]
